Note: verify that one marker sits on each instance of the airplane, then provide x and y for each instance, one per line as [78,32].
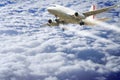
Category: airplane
[65,15]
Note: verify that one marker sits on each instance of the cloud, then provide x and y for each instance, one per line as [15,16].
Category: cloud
[51,78]
[52,66]
[106,25]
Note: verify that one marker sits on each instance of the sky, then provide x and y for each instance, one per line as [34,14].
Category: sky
[29,51]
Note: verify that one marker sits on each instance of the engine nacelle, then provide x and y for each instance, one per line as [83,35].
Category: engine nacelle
[50,21]
[79,15]
[76,14]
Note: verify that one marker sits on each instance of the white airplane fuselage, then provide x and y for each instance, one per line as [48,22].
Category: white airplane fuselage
[65,14]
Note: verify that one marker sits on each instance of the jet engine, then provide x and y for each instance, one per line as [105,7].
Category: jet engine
[79,16]
[76,14]
[50,21]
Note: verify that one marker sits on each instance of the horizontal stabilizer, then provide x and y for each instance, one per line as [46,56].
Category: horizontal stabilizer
[90,21]
[103,19]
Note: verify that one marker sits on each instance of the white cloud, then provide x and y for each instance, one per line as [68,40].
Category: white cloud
[51,78]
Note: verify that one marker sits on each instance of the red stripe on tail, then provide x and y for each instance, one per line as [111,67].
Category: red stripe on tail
[94,8]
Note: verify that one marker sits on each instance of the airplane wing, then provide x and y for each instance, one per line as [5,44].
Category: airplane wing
[99,11]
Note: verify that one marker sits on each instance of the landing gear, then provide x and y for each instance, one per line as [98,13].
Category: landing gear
[57,20]
[82,23]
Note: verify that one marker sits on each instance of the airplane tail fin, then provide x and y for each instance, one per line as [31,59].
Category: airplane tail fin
[88,20]
[93,7]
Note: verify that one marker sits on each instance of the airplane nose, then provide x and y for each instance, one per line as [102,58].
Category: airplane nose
[49,9]
[52,10]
